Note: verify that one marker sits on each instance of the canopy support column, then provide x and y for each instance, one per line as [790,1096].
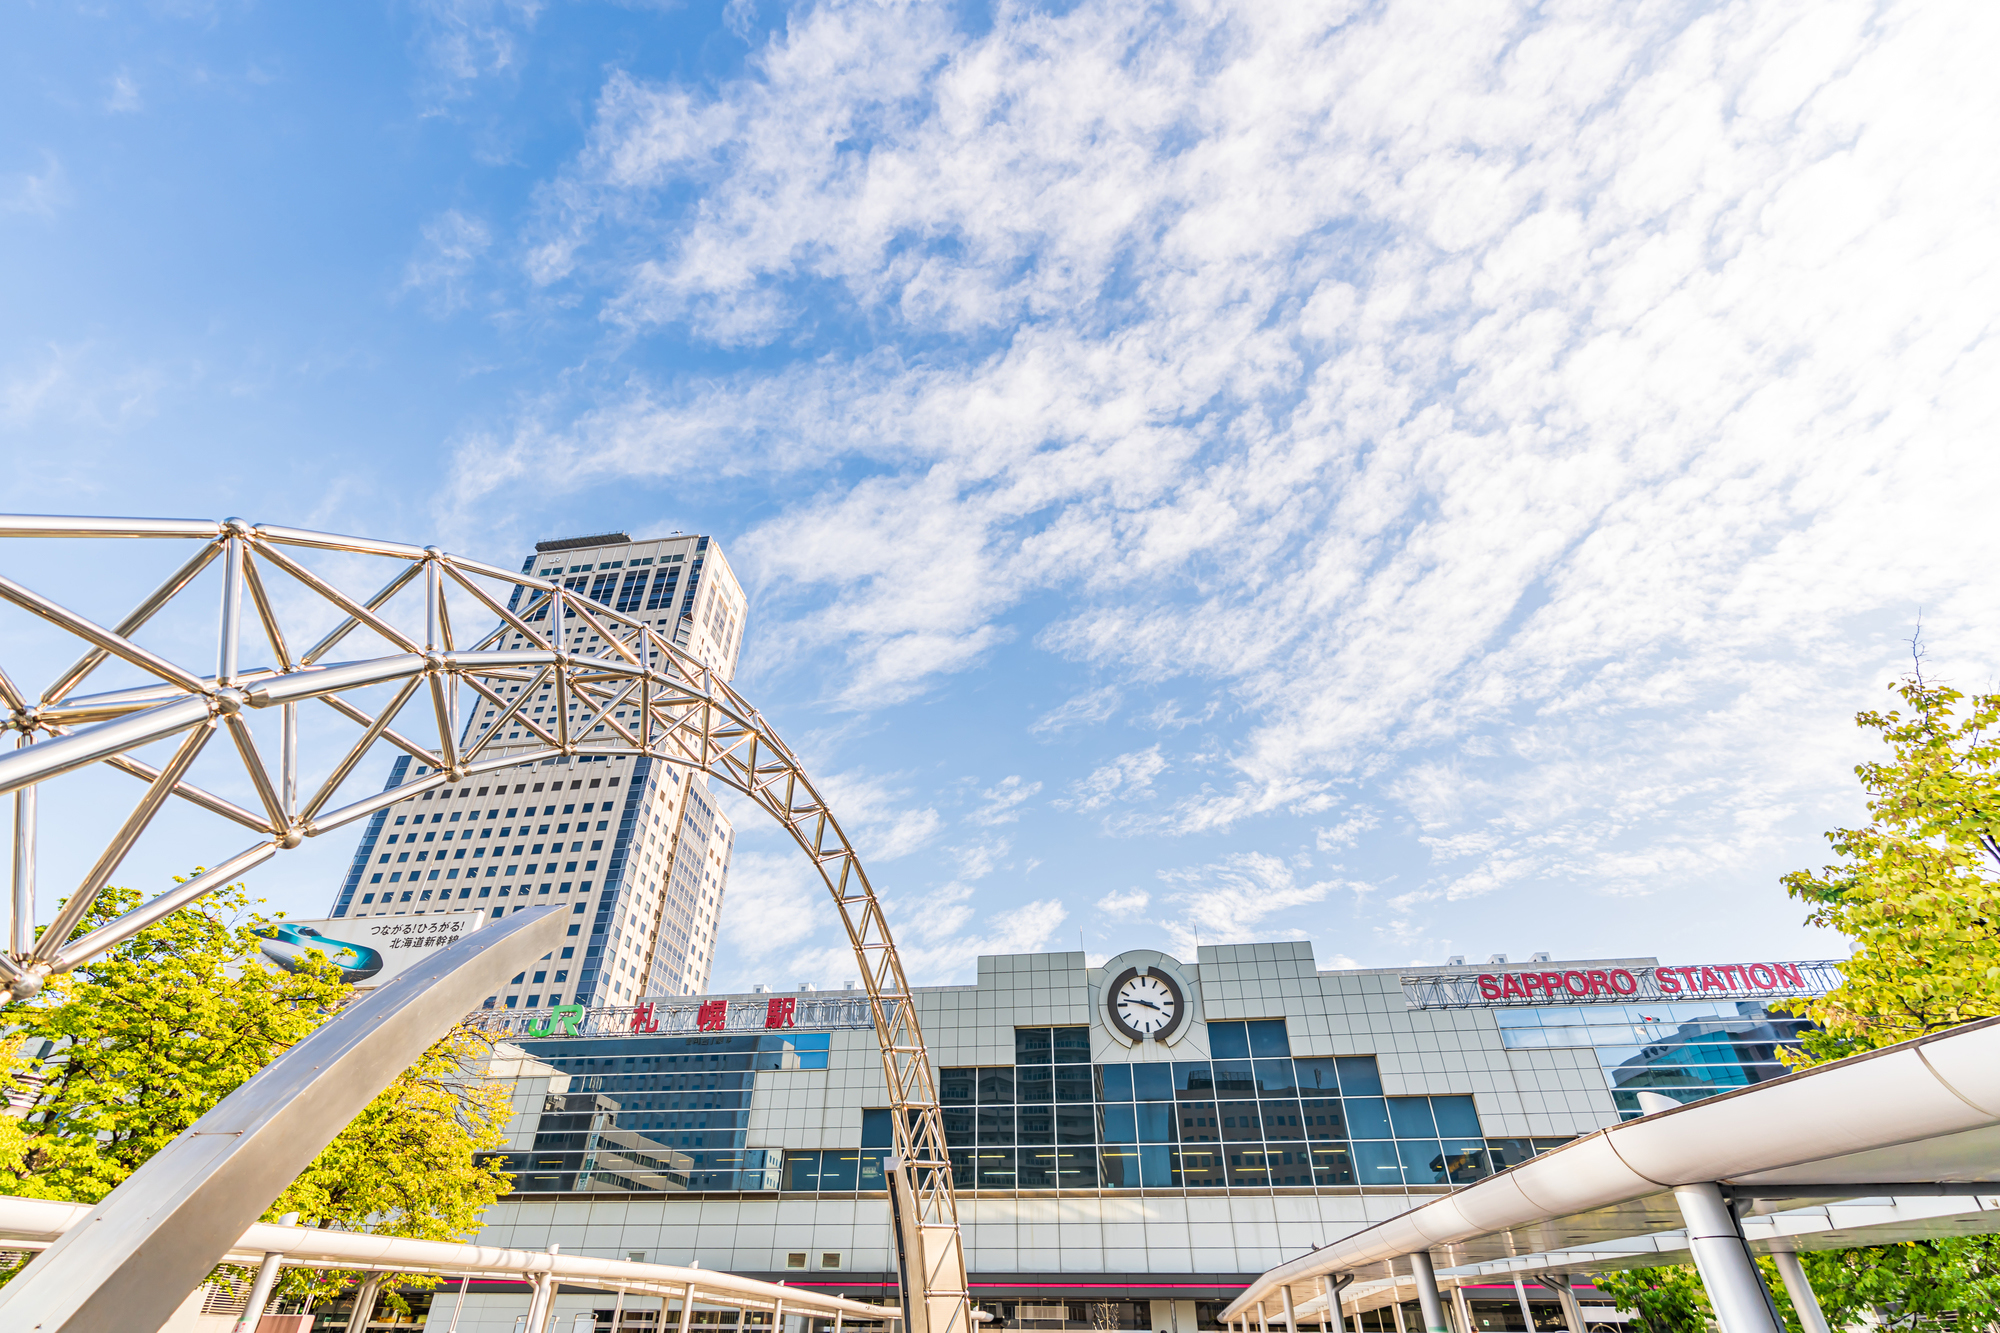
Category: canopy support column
[1427,1293]
[1464,1311]
[1291,1311]
[1735,1288]
[1804,1300]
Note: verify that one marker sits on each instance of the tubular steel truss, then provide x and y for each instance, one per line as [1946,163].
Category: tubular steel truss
[632,691]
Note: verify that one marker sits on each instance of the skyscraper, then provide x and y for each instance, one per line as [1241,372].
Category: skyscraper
[638,848]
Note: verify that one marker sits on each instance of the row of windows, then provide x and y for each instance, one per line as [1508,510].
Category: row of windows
[1179,1080]
[1274,1119]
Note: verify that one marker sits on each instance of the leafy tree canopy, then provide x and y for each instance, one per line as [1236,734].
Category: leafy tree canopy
[121,1055]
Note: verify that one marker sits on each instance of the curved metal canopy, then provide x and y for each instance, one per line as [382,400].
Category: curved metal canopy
[1905,1120]
[406,682]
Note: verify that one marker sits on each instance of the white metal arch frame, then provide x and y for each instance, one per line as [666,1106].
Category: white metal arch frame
[677,711]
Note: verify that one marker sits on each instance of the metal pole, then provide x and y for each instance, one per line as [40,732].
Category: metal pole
[232,611]
[1805,1300]
[364,1303]
[459,1305]
[1291,1312]
[288,759]
[538,1303]
[1527,1313]
[687,1307]
[23,934]
[1263,1325]
[618,1310]
[1427,1293]
[1396,1302]
[1464,1310]
[260,1291]
[1735,1289]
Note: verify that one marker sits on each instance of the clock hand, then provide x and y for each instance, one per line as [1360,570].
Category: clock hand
[1133,999]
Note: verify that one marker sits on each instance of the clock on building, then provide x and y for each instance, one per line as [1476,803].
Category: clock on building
[1145,1003]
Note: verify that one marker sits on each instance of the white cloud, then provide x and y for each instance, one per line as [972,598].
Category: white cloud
[1129,777]
[1084,710]
[1124,902]
[878,823]
[1003,801]
[1602,383]
[124,95]
[453,244]
[1228,901]
[1341,836]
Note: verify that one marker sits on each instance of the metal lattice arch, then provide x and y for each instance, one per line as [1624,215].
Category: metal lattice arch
[399,640]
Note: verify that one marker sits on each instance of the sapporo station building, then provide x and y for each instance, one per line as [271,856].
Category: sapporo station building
[1132,1143]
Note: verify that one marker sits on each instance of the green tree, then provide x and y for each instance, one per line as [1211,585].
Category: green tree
[1669,1299]
[119,1056]
[1916,889]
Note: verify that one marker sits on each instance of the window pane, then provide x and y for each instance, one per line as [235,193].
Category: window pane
[958,1087]
[871,1171]
[1246,1167]
[1465,1160]
[1289,1166]
[877,1130]
[1282,1123]
[837,1170]
[995,1168]
[1358,1076]
[1375,1163]
[1034,1083]
[1153,1083]
[1228,1041]
[996,1125]
[1198,1122]
[1036,1126]
[1412,1117]
[1072,1083]
[1072,1046]
[1509,1152]
[1239,1122]
[1076,1168]
[801,1170]
[958,1122]
[1423,1162]
[1267,1037]
[1199,1167]
[1274,1078]
[1156,1122]
[1323,1119]
[1116,1124]
[996,1086]
[1118,1168]
[1037,1169]
[1194,1079]
[1316,1076]
[1076,1124]
[963,1176]
[1367,1117]
[1234,1078]
[1333,1165]
[1031,1046]
[1156,1166]
[1114,1083]
[1456,1117]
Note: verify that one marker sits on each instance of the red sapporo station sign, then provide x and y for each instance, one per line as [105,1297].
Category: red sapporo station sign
[1599,985]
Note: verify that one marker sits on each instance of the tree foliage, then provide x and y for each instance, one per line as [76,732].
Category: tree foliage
[121,1055]
[1662,1300]
[1916,889]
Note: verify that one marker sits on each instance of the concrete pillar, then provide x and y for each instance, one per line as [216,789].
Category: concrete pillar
[1812,1319]
[1735,1288]
[1427,1294]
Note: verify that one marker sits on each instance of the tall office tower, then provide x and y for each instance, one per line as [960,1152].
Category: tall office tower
[638,848]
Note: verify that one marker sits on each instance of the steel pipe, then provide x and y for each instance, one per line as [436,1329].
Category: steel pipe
[62,754]
[1805,1301]
[1735,1289]
[1427,1293]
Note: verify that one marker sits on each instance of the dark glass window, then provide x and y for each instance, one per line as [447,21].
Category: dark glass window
[995,1168]
[1464,1160]
[1358,1076]
[1267,1037]
[1367,1117]
[1333,1166]
[1156,1166]
[1037,1126]
[1456,1117]
[1156,1122]
[958,1131]
[1375,1163]
[1228,1041]
[1194,1079]
[839,1170]
[1199,1167]
[1118,1168]
[1423,1162]
[1246,1167]
[1235,1078]
[1072,1046]
[1153,1083]
[1076,1124]
[1076,1168]
[1239,1121]
[996,1125]
[1198,1122]
[1038,1169]
[1031,1046]
[963,1174]
[1118,1124]
[1289,1166]
[1509,1152]
[801,1170]
[996,1086]
[958,1087]
[1322,1118]
[1316,1076]
[1274,1079]
[878,1130]
[1072,1083]
[1114,1083]
[1034,1083]
[1282,1122]
[1411,1118]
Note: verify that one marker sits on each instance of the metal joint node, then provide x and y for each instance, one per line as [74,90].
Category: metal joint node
[228,701]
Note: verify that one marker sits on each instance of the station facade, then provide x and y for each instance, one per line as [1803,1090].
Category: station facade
[1132,1143]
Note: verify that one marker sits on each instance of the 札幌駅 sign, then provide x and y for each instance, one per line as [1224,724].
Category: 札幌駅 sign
[1601,985]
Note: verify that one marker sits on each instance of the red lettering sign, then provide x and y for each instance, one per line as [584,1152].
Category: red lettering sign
[712,1016]
[778,1012]
[1489,987]
[1631,986]
[643,1020]
[1762,977]
[1789,975]
[1582,985]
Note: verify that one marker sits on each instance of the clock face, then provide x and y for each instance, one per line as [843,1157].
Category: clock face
[1145,1006]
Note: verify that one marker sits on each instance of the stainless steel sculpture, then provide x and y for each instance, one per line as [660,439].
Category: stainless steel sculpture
[133,1258]
[636,693]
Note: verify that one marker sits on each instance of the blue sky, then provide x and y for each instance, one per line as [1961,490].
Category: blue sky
[1423,478]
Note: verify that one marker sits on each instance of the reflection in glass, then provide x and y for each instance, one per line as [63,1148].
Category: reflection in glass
[1274,1078]
[1117,1124]
[1035,1084]
[958,1126]
[958,1087]
[996,1086]
[1037,1168]
[995,1167]
[1035,1126]
[1228,1041]
[1457,1117]
[1316,1076]
[1153,1083]
[1072,1046]
[1282,1122]
[1411,1117]
[1194,1080]
[1333,1165]
[1323,1119]
[1114,1083]
[1198,1122]
[1239,1122]
[1376,1163]
[1199,1167]
[1267,1037]
[1156,1122]
[1358,1076]
[996,1125]
[1076,1124]
[1423,1162]
[1072,1083]
[1031,1046]
[1367,1117]
[1465,1160]
[1156,1166]
[1235,1078]
[1118,1168]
